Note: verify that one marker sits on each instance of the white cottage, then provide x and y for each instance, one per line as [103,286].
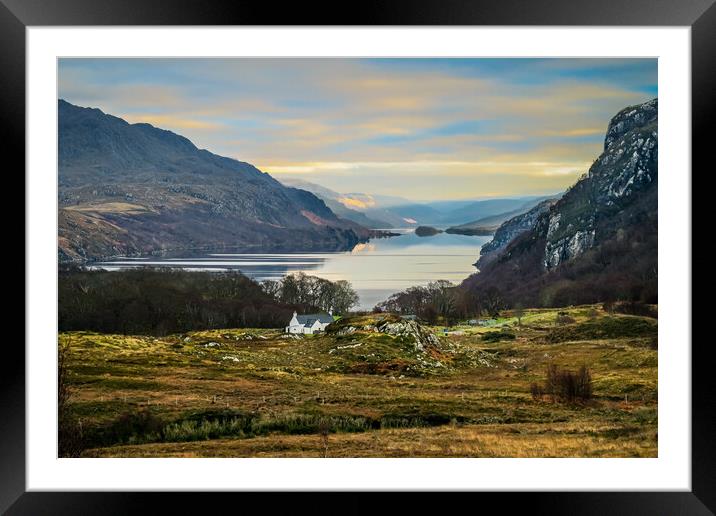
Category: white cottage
[309,323]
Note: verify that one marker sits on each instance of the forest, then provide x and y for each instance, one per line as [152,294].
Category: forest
[156,301]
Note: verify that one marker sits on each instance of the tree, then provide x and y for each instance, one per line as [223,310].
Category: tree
[493,301]
[290,290]
[441,296]
[271,288]
[519,312]
[70,440]
[344,297]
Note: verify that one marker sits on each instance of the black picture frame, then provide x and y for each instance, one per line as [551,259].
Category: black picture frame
[17,15]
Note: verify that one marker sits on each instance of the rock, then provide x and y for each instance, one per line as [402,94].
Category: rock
[511,229]
[617,196]
[567,248]
[421,337]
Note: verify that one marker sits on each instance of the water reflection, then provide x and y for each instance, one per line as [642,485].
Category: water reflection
[376,269]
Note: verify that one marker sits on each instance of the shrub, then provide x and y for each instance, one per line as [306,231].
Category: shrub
[564,385]
[131,427]
[636,308]
[494,336]
[564,318]
[605,328]
[537,391]
[70,437]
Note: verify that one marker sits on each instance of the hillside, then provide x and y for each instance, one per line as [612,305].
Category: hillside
[382,211]
[599,241]
[372,386]
[511,229]
[127,189]
[490,224]
[335,201]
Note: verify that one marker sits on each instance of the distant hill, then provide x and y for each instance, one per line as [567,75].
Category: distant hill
[599,241]
[335,201]
[490,224]
[380,211]
[134,188]
[466,213]
[483,209]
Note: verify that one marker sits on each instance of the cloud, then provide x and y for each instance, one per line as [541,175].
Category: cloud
[173,122]
[380,125]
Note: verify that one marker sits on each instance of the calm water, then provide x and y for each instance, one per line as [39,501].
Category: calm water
[376,269]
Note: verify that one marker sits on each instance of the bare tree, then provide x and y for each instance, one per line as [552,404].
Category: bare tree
[69,430]
[519,313]
[324,429]
[493,301]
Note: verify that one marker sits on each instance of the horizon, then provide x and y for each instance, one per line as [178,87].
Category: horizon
[423,129]
[280,177]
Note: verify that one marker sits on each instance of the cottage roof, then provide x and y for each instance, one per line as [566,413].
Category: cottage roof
[309,319]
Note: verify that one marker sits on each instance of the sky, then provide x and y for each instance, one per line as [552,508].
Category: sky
[423,129]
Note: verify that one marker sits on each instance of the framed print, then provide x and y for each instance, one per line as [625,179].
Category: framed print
[412,250]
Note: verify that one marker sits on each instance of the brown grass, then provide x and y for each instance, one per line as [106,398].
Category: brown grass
[477,404]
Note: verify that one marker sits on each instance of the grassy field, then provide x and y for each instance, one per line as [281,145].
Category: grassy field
[366,393]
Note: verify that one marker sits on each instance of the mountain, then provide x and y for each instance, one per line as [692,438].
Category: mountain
[370,210]
[135,189]
[514,222]
[335,201]
[486,208]
[382,211]
[599,240]
[511,229]
[376,200]
[420,213]
[455,213]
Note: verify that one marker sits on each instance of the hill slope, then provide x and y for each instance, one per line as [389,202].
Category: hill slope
[511,229]
[334,201]
[599,241]
[133,188]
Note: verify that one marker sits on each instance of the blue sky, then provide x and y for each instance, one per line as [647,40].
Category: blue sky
[419,128]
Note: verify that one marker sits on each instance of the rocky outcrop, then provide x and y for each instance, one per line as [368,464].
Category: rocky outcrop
[421,337]
[610,214]
[388,324]
[510,230]
[626,168]
[630,118]
[567,248]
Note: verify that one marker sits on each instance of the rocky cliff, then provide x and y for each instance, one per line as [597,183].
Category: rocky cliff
[626,168]
[600,239]
[510,230]
[129,189]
